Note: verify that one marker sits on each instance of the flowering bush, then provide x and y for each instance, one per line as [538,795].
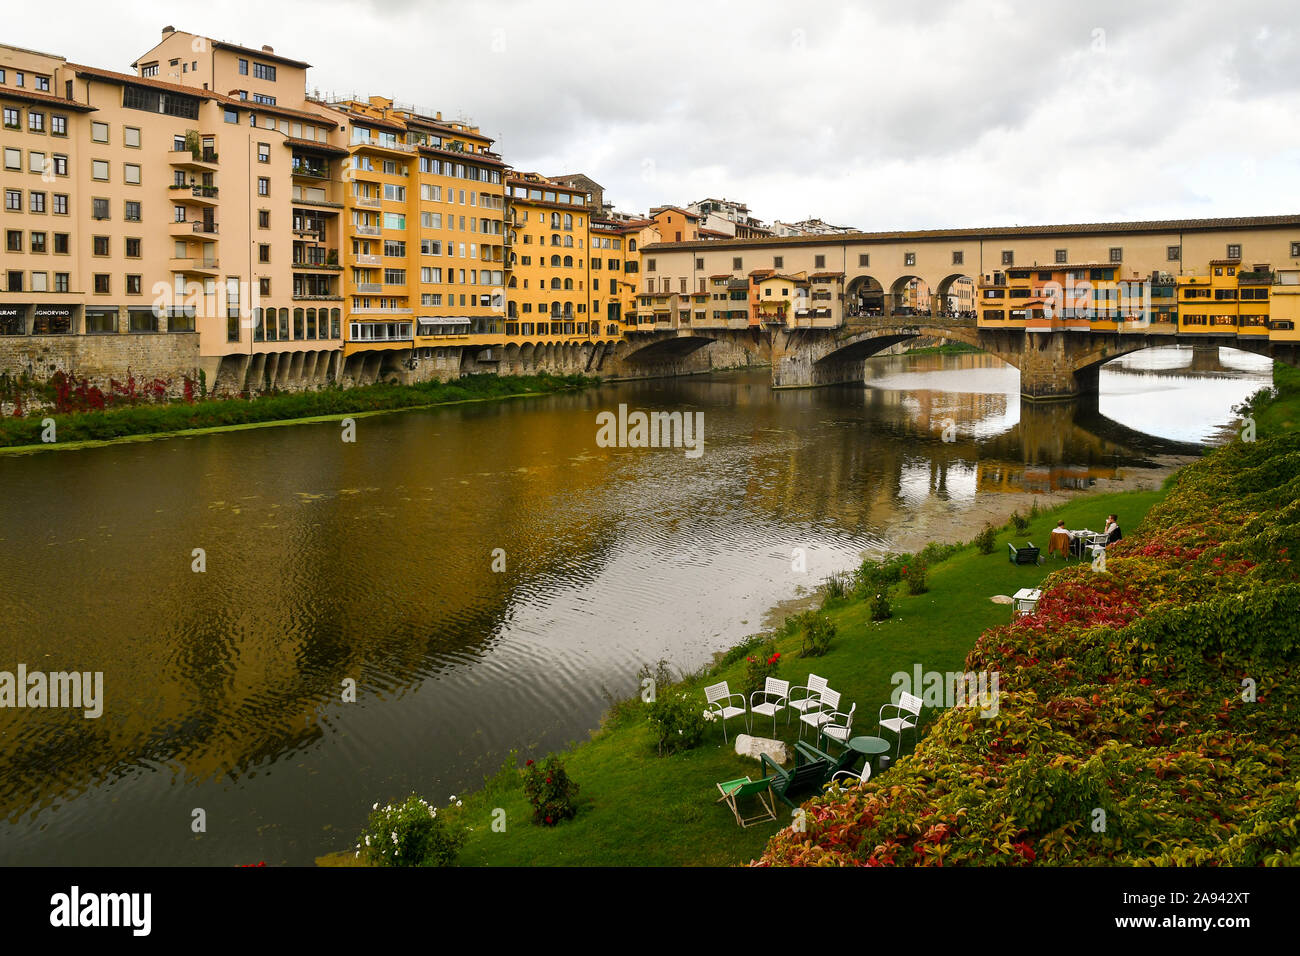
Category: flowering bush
[410,833]
[880,607]
[1148,716]
[818,630]
[759,667]
[550,791]
[678,721]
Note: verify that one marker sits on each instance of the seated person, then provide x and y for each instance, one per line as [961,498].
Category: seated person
[1059,539]
[1113,533]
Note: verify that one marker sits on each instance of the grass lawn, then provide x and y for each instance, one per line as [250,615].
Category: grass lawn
[1281,411]
[642,809]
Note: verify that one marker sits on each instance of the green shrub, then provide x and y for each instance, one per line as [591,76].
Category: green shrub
[410,833]
[818,631]
[550,791]
[915,576]
[880,607]
[986,539]
[745,648]
[836,588]
[1020,521]
[678,721]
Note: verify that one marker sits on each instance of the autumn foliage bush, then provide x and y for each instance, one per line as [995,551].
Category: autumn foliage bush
[1149,714]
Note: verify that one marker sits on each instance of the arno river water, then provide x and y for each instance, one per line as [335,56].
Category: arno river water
[373,561]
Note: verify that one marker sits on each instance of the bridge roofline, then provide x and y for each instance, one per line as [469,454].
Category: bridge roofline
[993,232]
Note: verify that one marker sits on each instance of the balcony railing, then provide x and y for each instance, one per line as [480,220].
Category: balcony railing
[367,230]
[368,288]
[368,260]
[367,202]
[197,191]
[311,172]
[207,228]
[383,310]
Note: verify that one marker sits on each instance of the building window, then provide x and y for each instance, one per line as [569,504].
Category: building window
[131,174]
[99,245]
[133,284]
[61,282]
[1234,250]
[1116,254]
[263,152]
[60,164]
[243,67]
[1295,250]
[957,257]
[736,263]
[131,136]
[43,84]
[132,211]
[909,258]
[264,219]
[264,71]
[133,248]
[60,207]
[819,262]
[38,242]
[102,284]
[263,186]
[62,243]
[14,240]
[58,124]
[263,252]
[1174,253]
[12,118]
[13,200]
[98,132]
[1008,257]
[231,116]
[99,169]
[36,203]
[35,121]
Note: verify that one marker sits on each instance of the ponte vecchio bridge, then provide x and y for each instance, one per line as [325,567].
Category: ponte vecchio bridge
[817,307]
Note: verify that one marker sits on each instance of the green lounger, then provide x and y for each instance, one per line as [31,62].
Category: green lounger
[742,787]
[807,775]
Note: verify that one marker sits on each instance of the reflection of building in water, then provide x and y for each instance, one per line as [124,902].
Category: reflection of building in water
[1006,476]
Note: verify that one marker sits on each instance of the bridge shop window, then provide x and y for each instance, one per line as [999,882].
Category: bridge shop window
[865,260]
[909,258]
[1174,253]
[1008,257]
[1062,255]
[1295,250]
[1234,251]
[957,256]
[1116,254]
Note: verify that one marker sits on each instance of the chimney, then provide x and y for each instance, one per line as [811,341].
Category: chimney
[267,49]
[438,115]
[168,29]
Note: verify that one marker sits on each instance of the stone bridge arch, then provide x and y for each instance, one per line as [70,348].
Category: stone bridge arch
[800,360]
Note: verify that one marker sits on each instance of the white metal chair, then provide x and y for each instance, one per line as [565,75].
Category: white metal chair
[809,700]
[775,695]
[839,727]
[830,700]
[854,778]
[906,714]
[719,697]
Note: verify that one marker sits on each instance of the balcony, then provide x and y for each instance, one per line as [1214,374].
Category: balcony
[385,310]
[316,297]
[367,231]
[202,160]
[368,288]
[300,265]
[367,202]
[304,171]
[195,194]
[188,227]
[367,260]
[195,266]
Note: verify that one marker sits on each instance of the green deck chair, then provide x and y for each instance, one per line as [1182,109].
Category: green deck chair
[807,775]
[735,790]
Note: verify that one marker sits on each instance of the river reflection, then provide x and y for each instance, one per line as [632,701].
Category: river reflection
[373,561]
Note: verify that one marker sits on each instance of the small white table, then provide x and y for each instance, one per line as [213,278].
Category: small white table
[1025,601]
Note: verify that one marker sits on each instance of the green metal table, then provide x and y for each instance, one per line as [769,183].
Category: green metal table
[870,746]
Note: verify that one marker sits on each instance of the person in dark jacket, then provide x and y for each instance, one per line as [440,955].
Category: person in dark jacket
[1113,533]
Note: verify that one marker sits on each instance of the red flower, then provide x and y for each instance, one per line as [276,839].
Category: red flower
[529,764]
[548,819]
[548,779]
[1144,681]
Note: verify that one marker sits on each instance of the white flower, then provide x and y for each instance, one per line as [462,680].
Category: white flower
[367,841]
[458,803]
[376,806]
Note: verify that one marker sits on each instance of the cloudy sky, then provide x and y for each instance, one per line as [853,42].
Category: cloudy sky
[880,115]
